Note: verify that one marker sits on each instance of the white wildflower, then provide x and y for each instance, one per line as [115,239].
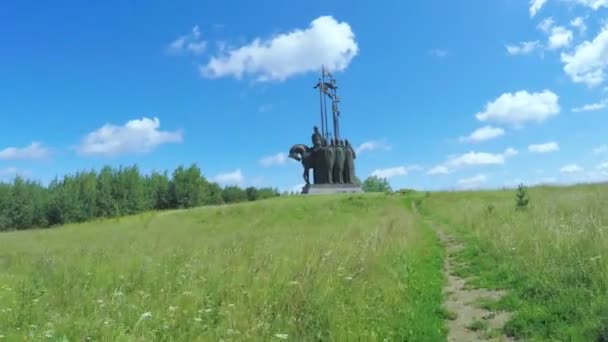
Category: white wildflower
[145,315]
[281,336]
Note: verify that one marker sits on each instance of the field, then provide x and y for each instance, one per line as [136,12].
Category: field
[330,268]
[336,268]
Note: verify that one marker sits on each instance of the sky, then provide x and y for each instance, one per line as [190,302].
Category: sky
[435,95]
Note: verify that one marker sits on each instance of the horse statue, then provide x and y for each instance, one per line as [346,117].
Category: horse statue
[303,153]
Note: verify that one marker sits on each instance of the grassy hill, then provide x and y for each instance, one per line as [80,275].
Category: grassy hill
[364,267]
[552,257]
[301,268]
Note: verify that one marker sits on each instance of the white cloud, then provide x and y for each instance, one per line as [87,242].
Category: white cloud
[373,145]
[472,159]
[570,169]
[546,24]
[594,4]
[535,6]
[394,171]
[587,64]
[34,151]
[135,136]
[473,182]
[579,23]
[544,148]
[439,170]
[230,178]
[439,52]
[523,48]
[189,43]
[603,167]
[520,107]
[591,107]
[277,159]
[483,133]
[325,42]
[600,149]
[10,172]
[560,37]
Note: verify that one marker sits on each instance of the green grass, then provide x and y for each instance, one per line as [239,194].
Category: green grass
[301,268]
[552,257]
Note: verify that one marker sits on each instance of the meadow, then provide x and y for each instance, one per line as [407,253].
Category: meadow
[290,268]
[345,267]
[552,257]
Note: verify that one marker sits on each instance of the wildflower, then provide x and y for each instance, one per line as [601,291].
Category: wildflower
[145,315]
[281,336]
[198,319]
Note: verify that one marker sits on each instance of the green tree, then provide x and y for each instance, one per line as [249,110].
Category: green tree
[234,194]
[213,194]
[252,193]
[158,191]
[376,184]
[187,187]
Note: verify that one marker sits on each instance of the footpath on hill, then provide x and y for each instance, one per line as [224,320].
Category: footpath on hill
[466,319]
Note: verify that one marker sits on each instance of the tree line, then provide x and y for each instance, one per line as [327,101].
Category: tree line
[112,192]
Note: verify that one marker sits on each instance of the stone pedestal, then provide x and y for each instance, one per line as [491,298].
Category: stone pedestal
[326,189]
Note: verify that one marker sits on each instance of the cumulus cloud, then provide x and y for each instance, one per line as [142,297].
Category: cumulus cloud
[325,42]
[522,48]
[439,170]
[600,149]
[544,148]
[560,37]
[483,133]
[591,107]
[373,145]
[546,25]
[439,52]
[587,64]
[10,172]
[188,43]
[472,159]
[521,107]
[579,23]
[277,159]
[535,6]
[394,171]
[593,4]
[603,168]
[135,136]
[31,152]
[473,182]
[230,178]
[571,169]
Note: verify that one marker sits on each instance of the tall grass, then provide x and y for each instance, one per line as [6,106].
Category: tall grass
[301,268]
[553,256]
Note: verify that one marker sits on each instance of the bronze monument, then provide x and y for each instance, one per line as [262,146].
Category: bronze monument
[331,158]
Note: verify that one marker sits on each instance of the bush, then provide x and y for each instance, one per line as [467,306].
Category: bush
[521,197]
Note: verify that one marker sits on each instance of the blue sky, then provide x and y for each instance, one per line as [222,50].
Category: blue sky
[435,94]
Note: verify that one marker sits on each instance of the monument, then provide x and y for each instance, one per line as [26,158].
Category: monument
[331,158]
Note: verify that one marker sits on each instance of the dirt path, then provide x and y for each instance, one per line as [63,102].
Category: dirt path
[468,322]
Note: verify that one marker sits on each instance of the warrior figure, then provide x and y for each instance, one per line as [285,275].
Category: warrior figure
[338,171]
[349,163]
